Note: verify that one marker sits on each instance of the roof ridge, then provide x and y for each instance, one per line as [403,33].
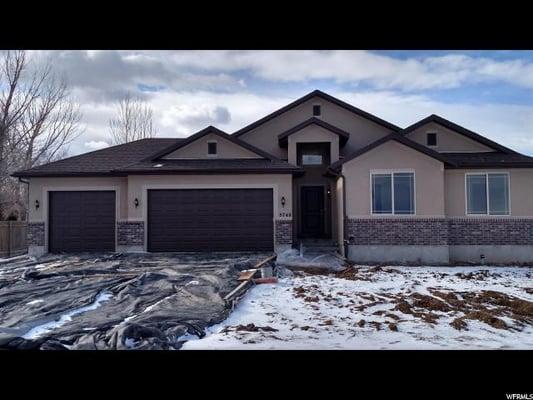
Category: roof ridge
[206,131]
[325,96]
[459,129]
[392,136]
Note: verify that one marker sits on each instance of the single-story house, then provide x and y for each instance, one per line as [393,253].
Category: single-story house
[434,192]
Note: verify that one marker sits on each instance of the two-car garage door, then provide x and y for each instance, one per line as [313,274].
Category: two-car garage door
[178,220]
[210,220]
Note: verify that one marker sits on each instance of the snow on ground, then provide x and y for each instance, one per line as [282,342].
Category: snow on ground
[384,308]
[51,325]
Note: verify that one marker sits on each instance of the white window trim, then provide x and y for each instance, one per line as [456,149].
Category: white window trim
[212,155]
[487,173]
[392,172]
[436,137]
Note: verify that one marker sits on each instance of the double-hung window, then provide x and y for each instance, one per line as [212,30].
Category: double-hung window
[393,193]
[487,194]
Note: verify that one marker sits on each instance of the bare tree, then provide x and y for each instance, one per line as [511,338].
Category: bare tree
[17,93]
[38,119]
[133,121]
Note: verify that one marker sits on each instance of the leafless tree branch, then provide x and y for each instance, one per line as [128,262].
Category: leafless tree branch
[133,121]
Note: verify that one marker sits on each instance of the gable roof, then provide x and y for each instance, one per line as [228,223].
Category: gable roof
[343,135]
[459,129]
[335,167]
[210,130]
[100,162]
[322,95]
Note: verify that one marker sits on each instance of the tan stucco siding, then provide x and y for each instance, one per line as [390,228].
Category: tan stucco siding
[39,188]
[447,140]
[520,189]
[198,149]
[362,131]
[313,134]
[138,186]
[429,179]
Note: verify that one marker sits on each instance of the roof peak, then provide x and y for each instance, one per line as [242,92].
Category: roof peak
[326,97]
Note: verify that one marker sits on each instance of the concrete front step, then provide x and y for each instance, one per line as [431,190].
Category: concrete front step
[321,249]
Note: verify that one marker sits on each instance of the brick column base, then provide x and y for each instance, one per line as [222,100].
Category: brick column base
[283,233]
[35,234]
[130,236]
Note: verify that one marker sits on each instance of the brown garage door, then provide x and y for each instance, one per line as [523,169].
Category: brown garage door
[210,220]
[81,221]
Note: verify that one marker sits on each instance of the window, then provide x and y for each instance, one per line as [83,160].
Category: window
[212,148]
[487,194]
[311,159]
[431,139]
[316,110]
[393,193]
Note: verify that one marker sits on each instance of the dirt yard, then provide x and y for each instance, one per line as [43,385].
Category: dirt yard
[384,308]
[114,301]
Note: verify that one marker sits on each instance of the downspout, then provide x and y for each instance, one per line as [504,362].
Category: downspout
[344,241]
[21,180]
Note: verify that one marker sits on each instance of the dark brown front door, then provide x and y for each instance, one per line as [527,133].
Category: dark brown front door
[210,220]
[81,221]
[312,206]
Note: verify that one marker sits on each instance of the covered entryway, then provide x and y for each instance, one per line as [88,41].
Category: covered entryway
[312,211]
[81,221]
[210,220]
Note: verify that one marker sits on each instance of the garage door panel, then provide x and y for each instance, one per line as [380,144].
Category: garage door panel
[81,221]
[210,220]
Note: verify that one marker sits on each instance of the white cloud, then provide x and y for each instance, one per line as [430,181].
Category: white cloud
[180,114]
[94,145]
[199,88]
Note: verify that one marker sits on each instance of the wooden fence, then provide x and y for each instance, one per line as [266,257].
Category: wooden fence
[13,238]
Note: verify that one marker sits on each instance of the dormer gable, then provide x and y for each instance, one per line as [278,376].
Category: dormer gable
[444,136]
[211,143]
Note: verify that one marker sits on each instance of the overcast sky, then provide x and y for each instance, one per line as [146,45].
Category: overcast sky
[486,91]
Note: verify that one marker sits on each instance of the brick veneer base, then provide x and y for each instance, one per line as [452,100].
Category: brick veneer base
[35,234]
[283,232]
[439,231]
[396,231]
[130,233]
[494,231]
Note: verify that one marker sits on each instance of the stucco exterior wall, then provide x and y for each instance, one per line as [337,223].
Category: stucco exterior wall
[362,131]
[139,184]
[520,188]
[225,149]
[429,179]
[447,140]
[313,134]
[39,188]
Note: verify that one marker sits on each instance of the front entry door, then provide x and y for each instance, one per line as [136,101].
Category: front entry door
[312,206]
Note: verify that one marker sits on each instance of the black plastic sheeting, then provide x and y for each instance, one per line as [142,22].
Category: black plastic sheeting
[115,301]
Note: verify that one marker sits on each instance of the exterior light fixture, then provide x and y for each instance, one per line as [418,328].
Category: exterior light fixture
[36,204]
[283,201]
[136,202]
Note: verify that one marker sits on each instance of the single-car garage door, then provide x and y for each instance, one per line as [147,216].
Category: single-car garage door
[210,220]
[81,221]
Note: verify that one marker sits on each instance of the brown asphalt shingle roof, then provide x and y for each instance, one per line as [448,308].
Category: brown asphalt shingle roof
[489,160]
[101,162]
[241,165]
[135,157]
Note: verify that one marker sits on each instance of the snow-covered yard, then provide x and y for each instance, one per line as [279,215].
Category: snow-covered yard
[383,308]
